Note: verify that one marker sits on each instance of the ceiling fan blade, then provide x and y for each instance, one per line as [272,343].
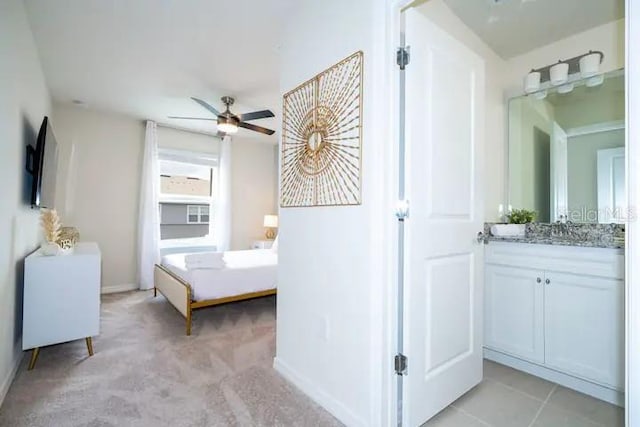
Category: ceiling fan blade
[256,115]
[256,128]
[207,106]
[193,118]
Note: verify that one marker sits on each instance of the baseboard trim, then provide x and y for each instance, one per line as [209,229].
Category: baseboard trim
[607,394]
[333,406]
[125,287]
[8,380]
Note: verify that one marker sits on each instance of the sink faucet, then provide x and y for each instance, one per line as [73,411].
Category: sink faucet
[562,227]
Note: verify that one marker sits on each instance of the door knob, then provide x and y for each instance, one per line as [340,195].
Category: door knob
[547,281]
[538,280]
[482,238]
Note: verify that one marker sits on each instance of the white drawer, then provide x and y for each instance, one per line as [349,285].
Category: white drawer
[599,262]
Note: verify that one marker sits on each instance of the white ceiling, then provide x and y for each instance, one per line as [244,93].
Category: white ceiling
[513,27]
[145,58]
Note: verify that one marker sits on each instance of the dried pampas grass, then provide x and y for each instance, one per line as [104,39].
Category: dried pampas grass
[50,224]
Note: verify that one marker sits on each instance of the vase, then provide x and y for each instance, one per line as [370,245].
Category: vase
[508,230]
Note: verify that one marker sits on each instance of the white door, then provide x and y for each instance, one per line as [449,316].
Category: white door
[444,263]
[584,329]
[514,311]
[612,197]
[559,173]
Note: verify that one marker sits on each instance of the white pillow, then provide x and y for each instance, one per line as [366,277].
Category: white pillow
[274,247]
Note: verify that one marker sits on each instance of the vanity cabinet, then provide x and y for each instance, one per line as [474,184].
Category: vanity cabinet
[557,312]
[514,313]
[584,325]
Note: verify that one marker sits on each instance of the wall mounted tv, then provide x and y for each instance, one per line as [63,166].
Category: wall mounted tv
[42,164]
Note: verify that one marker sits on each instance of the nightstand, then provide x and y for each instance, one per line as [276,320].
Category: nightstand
[262,244]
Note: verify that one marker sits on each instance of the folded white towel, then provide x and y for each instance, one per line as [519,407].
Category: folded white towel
[204,260]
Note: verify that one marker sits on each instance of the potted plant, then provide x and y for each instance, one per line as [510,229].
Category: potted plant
[518,219]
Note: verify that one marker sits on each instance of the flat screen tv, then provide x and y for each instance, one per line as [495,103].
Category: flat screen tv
[42,164]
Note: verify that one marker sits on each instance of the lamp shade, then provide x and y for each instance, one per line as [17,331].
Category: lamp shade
[532,82]
[559,73]
[589,65]
[271,221]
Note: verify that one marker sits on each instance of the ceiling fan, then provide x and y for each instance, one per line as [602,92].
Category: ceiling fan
[229,122]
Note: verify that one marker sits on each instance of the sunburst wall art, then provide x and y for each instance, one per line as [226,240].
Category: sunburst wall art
[322,138]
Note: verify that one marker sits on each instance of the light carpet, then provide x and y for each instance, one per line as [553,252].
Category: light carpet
[146,372]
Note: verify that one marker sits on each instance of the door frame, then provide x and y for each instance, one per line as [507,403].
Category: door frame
[393,26]
[632,247]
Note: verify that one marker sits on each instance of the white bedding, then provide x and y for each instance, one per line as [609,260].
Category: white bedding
[246,271]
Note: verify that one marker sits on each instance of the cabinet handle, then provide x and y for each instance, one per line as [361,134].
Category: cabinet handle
[547,281]
[538,280]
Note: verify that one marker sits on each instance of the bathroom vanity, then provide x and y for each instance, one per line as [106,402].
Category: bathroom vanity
[557,311]
[554,299]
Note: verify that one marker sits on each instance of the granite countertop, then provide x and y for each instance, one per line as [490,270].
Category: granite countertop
[583,235]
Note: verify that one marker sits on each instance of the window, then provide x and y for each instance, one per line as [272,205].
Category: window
[187,190]
[197,214]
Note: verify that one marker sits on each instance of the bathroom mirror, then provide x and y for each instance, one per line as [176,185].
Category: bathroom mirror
[566,152]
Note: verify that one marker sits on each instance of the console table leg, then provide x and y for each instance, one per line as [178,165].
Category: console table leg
[89,346]
[34,356]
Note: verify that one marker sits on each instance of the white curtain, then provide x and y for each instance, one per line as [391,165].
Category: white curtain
[149,212]
[220,228]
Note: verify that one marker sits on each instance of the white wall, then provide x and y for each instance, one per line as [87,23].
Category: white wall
[253,192]
[24,101]
[99,185]
[330,277]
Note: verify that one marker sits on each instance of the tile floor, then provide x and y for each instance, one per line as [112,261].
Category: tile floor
[510,398]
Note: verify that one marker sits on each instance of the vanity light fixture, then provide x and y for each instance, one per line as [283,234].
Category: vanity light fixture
[585,66]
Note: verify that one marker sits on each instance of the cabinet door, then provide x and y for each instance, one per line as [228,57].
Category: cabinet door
[584,327]
[514,311]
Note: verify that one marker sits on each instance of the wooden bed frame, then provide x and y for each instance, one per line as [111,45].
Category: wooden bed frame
[178,292]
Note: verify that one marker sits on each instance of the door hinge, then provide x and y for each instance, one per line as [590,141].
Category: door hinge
[402,57]
[400,363]
[402,209]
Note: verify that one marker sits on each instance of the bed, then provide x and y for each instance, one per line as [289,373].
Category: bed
[246,274]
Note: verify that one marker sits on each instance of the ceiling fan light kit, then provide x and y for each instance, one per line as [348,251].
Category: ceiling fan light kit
[228,124]
[585,66]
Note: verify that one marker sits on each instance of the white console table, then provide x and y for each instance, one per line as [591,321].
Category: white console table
[61,298]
